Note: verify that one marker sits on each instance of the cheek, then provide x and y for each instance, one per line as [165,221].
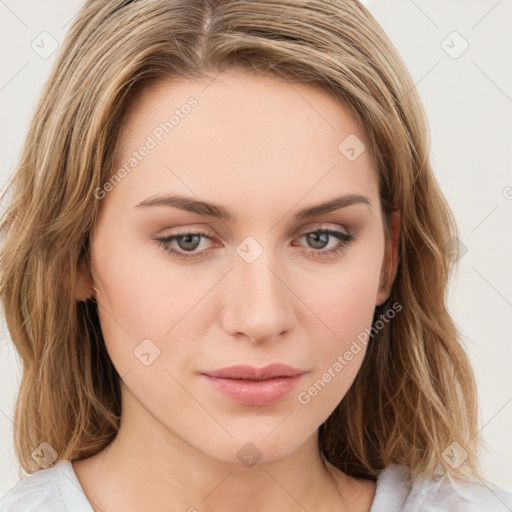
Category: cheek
[345,307]
[139,297]
[345,295]
[345,304]
[138,283]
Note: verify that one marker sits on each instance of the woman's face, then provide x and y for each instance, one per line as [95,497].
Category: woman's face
[257,287]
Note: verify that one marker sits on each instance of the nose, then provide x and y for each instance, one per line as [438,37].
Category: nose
[256,300]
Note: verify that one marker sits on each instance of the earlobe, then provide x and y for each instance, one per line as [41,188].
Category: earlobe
[390,262]
[85,289]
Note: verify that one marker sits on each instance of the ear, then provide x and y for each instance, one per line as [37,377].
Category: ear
[390,262]
[85,288]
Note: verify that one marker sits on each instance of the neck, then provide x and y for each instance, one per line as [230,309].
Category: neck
[147,467]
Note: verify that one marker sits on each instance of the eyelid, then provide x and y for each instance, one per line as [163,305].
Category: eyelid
[311,227]
[344,236]
[315,226]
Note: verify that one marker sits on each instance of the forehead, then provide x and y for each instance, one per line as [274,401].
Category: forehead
[240,135]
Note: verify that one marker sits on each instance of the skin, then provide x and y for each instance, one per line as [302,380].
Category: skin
[264,149]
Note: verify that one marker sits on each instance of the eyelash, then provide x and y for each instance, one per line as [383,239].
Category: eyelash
[345,240]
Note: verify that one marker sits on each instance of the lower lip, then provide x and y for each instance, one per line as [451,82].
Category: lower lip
[254,392]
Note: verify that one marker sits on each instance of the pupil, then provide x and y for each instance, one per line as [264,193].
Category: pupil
[319,236]
[187,239]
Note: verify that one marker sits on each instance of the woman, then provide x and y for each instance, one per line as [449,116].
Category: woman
[224,269]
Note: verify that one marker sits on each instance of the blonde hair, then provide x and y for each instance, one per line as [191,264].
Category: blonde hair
[415,393]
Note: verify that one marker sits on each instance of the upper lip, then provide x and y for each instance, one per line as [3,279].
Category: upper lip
[252,373]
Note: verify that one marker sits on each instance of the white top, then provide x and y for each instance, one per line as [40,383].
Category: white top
[57,489]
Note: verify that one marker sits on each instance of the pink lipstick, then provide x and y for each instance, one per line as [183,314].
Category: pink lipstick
[248,385]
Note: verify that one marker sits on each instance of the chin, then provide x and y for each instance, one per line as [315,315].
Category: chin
[256,447]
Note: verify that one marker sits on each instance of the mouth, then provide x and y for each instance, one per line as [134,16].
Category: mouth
[248,385]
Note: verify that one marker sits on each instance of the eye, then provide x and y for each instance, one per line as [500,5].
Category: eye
[186,242]
[320,237]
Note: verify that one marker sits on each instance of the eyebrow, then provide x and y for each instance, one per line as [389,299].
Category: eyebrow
[212,210]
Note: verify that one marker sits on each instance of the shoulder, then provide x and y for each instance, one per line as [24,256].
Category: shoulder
[395,491]
[43,491]
[457,495]
[37,491]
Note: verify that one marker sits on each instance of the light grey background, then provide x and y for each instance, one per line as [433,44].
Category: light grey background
[468,100]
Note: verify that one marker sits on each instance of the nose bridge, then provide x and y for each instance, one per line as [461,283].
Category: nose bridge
[257,300]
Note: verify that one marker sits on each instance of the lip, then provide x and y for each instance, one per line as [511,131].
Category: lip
[249,385]
[243,371]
